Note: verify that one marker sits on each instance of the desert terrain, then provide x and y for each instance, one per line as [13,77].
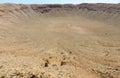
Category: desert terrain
[59,41]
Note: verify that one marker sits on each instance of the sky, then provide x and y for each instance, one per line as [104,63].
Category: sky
[58,1]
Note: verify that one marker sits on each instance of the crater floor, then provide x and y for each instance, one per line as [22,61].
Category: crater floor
[59,41]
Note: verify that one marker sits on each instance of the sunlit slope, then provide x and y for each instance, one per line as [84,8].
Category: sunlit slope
[60,41]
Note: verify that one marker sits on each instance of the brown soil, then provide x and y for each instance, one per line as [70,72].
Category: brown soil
[60,41]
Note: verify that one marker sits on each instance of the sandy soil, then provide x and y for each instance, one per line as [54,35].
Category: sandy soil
[63,43]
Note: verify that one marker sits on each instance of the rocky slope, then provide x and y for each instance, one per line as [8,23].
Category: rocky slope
[60,41]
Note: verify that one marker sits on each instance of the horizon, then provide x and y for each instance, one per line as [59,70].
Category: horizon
[58,2]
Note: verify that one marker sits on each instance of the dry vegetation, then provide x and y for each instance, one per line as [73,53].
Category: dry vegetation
[60,41]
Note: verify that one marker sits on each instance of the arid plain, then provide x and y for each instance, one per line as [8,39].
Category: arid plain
[60,41]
